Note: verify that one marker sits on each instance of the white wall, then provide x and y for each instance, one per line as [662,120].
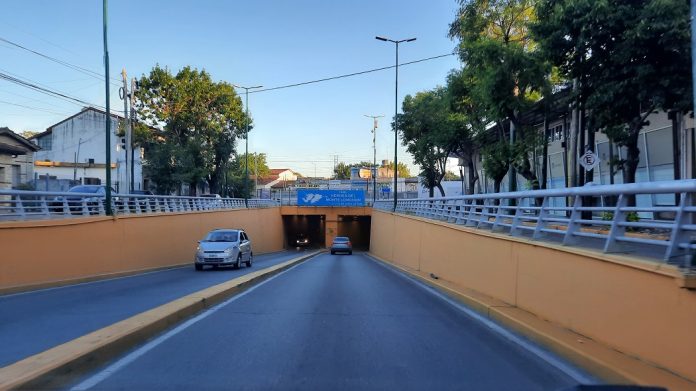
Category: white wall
[88,131]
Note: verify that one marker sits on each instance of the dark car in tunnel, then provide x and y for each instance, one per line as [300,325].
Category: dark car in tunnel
[301,240]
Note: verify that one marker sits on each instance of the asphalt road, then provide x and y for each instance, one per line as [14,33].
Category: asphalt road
[332,323]
[34,321]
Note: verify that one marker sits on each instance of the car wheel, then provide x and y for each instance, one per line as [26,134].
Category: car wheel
[350,253]
[198,267]
[333,253]
[238,264]
[251,259]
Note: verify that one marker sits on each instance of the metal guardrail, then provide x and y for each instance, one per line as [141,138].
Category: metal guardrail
[28,205]
[595,215]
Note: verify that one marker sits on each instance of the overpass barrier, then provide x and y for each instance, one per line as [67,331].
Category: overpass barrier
[40,253]
[25,205]
[593,216]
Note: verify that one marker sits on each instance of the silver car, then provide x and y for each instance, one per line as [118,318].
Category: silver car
[224,247]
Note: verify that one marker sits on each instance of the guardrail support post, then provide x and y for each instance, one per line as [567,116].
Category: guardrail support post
[541,222]
[616,229]
[573,225]
[679,235]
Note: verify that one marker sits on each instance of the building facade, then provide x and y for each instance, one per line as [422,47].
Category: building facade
[73,152]
[16,158]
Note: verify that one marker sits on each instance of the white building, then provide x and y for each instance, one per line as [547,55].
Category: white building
[74,149]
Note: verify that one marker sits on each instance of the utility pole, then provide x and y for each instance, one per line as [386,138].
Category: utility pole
[130,142]
[246,139]
[77,156]
[374,155]
[126,98]
[109,211]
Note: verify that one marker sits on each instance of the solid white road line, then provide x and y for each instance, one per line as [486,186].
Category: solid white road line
[550,358]
[113,368]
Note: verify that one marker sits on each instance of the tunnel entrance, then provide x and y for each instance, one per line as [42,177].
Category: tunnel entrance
[357,228]
[298,228]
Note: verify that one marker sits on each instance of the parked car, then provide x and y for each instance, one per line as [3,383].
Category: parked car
[224,247]
[75,203]
[301,240]
[341,244]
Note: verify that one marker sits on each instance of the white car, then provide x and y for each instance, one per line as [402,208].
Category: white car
[224,247]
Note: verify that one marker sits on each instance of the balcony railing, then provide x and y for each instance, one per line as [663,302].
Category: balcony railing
[34,205]
[598,216]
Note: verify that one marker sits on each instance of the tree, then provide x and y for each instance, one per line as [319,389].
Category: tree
[28,133]
[342,170]
[427,127]
[469,121]
[499,52]
[257,165]
[450,176]
[403,171]
[632,57]
[200,120]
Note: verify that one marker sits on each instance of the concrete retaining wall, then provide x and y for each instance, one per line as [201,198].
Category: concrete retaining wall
[36,253]
[635,307]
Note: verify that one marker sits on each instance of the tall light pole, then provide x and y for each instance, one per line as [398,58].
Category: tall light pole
[396,110]
[246,147]
[374,155]
[109,212]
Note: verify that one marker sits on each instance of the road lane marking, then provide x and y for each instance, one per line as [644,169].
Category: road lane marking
[134,355]
[551,359]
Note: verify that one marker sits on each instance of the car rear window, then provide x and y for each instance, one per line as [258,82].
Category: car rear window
[341,239]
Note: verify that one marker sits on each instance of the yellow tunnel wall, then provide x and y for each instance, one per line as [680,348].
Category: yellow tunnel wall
[639,312]
[44,252]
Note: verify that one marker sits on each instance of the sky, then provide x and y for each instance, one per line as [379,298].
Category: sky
[265,42]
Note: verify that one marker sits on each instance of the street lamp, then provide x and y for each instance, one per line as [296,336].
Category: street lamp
[374,155]
[246,140]
[396,110]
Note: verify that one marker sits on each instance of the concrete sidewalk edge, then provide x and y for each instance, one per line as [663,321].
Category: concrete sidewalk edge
[594,357]
[59,365]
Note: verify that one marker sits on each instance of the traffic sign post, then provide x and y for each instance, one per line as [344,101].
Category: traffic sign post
[589,160]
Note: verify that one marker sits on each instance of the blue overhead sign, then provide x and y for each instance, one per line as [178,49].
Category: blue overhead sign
[316,197]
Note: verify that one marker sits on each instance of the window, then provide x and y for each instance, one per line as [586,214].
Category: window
[46,142]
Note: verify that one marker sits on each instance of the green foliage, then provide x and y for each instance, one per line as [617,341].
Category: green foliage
[200,121]
[496,161]
[450,176]
[342,170]
[403,171]
[257,165]
[505,71]
[630,57]
[428,126]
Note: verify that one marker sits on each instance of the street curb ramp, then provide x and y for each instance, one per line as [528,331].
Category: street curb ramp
[60,365]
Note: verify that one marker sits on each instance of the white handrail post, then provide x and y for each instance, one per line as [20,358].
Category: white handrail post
[679,234]
[573,225]
[616,229]
[541,219]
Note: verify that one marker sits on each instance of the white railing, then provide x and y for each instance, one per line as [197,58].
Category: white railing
[595,216]
[27,205]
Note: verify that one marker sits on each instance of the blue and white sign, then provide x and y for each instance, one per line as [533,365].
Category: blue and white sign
[316,197]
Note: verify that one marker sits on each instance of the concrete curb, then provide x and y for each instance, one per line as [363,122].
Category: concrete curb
[59,365]
[596,358]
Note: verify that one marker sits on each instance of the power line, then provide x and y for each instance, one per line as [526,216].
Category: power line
[74,67]
[350,74]
[31,107]
[46,91]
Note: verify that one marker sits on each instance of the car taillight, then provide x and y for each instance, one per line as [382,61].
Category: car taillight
[349,244]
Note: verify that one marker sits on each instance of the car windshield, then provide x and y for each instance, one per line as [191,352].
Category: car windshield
[222,236]
[341,239]
[84,189]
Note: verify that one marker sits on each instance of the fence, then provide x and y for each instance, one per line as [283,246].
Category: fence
[669,233]
[25,205]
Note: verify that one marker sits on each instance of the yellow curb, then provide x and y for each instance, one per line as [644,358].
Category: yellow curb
[58,365]
[600,360]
